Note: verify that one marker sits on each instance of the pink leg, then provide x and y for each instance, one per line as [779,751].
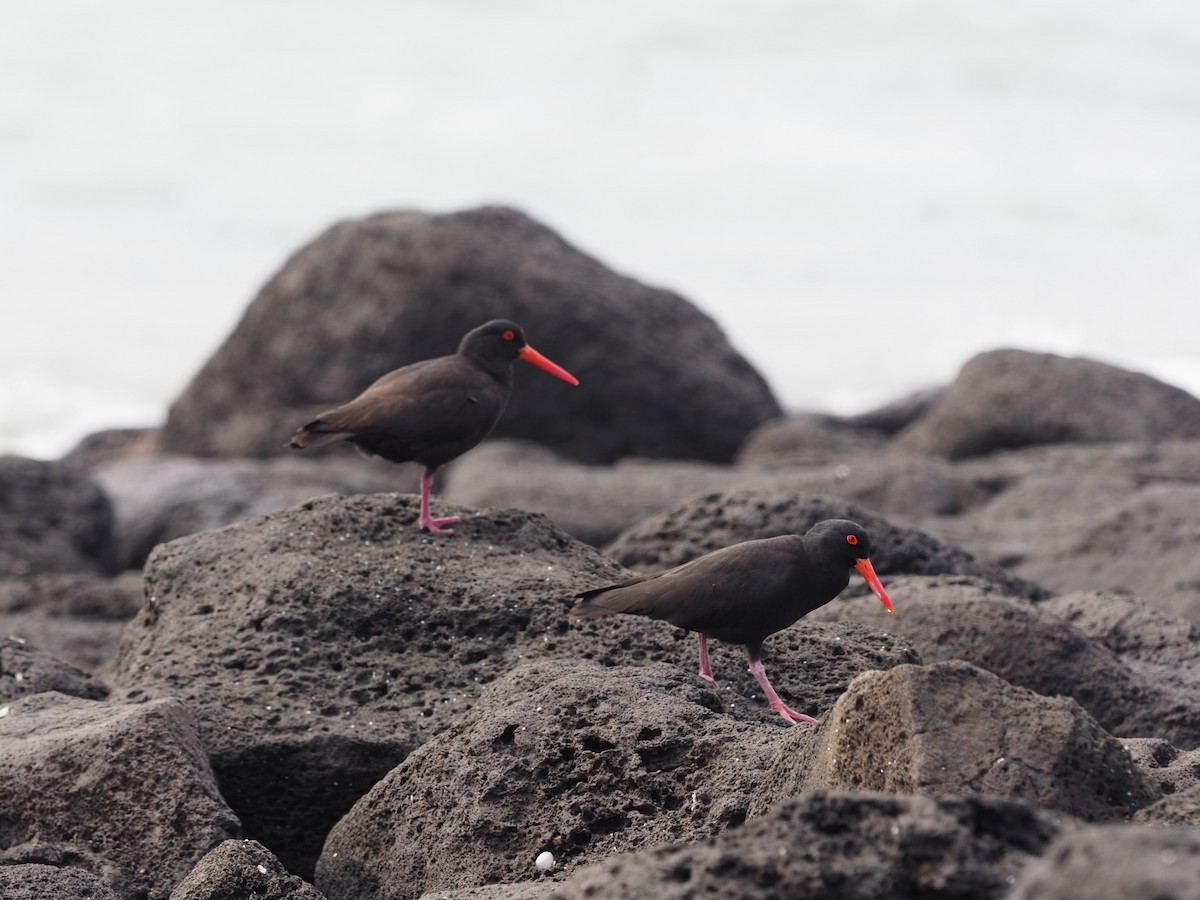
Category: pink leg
[760,675]
[426,521]
[705,668]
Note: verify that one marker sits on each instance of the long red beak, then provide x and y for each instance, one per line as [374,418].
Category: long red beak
[867,571]
[532,356]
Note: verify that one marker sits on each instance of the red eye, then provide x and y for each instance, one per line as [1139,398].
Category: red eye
[509,335]
[852,539]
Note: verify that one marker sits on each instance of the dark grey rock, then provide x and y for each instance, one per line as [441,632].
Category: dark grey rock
[958,617]
[368,296]
[36,881]
[1003,399]
[237,870]
[76,617]
[26,670]
[53,518]
[831,845]
[121,790]
[580,760]
[1116,862]
[953,728]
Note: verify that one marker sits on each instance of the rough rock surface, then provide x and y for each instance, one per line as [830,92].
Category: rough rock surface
[37,881]
[321,644]
[1116,862]
[1007,398]
[953,728]
[121,790]
[53,518]
[238,870]
[959,617]
[371,295]
[25,670]
[579,760]
[717,520]
[840,846]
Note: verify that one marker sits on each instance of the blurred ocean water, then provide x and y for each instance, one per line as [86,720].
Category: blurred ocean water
[863,194]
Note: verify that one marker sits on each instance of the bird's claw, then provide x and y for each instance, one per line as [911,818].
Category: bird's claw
[434,526]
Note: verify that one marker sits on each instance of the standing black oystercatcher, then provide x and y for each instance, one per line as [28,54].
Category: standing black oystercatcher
[745,592]
[435,410]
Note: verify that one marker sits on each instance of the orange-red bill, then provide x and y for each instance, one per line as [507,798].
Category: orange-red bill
[867,571]
[532,356]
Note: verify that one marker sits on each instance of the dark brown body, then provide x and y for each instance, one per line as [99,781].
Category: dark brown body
[740,594]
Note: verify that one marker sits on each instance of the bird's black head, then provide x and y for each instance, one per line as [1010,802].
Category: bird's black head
[496,344]
[842,542]
[499,340]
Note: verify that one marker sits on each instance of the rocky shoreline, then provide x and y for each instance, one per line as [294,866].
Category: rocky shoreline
[226,672]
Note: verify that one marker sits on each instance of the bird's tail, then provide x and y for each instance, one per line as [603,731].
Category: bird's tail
[314,435]
[587,605]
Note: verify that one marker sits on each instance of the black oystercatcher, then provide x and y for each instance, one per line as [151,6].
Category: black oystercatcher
[745,592]
[435,410]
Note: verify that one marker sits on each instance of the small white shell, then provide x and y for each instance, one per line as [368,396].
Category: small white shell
[545,860]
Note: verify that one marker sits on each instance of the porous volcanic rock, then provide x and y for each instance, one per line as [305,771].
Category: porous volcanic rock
[121,790]
[37,881]
[1174,771]
[53,518]
[959,617]
[26,670]
[321,644]
[238,870]
[1008,398]
[830,845]
[1116,862]
[952,728]
[370,295]
[717,520]
[580,760]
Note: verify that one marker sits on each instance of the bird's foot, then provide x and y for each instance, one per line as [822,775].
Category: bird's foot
[434,525]
[707,676]
[792,717]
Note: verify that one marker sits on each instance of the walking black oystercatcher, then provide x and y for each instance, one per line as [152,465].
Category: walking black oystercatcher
[745,592]
[435,410]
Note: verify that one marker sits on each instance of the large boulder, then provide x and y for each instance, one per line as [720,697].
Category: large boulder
[953,728]
[831,845]
[123,790]
[368,296]
[1003,399]
[578,760]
